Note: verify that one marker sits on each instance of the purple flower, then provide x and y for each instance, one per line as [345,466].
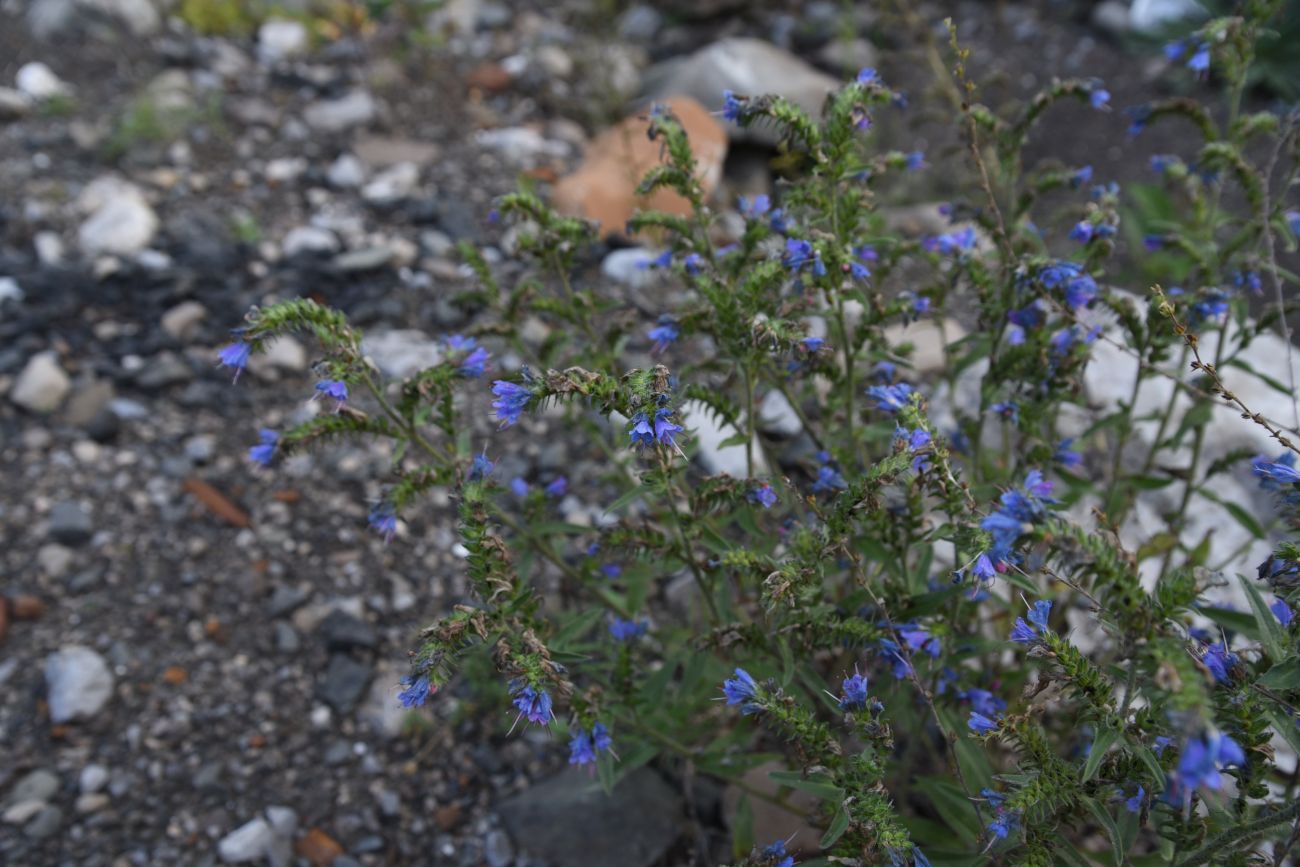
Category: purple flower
[1038,615]
[663,334]
[510,402]
[383,520]
[611,570]
[519,487]
[799,254]
[854,693]
[891,651]
[533,704]
[868,76]
[693,263]
[891,398]
[1200,60]
[475,364]
[1293,221]
[1138,116]
[480,468]
[828,479]
[1281,611]
[663,260]
[557,488]
[763,495]
[742,690]
[417,691]
[236,356]
[915,161]
[264,452]
[665,429]
[626,630]
[581,751]
[1099,98]
[981,725]
[984,702]
[984,570]
[334,388]
[1022,632]
[812,344]
[1081,176]
[641,430]
[1082,232]
[1008,411]
[755,208]
[919,439]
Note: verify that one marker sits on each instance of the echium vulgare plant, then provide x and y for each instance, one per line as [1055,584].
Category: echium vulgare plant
[932,607]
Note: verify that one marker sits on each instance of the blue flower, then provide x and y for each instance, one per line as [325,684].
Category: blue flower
[891,651]
[1081,176]
[334,388]
[983,702]
[812,344]
[665,429]
[868,76]
[777,850]
[264,452]
[1099,97]
[1082,232]
[1160,744]
[510,402]
[1200,60]
[1022,632]
[383,520]
[1039,614]
[1220,661]
[583,747]
[480,468]
[755,208]
[733,109]
[1274,475]
[663,260]
[1201,760]
[519,487]
[1008,411]
[981,725]
[1003,824]
[236,356]
[626,630]
[417,691]
[1281,611]
[1065,456]
[557,488]
[951,242]
[600,737]
[641,430]
[475,364]
[984,570]
[919,439]
[1138,117]
[693,263]
[915,161]
[663,334]
[533,704]
[1293,221]
[800,254]
[828,479]
[1134,804]
[918,639]
[854,693]
[611,570]
[891,398]
[763,495]
[742,690]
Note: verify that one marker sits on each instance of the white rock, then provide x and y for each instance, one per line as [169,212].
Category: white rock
[49,247]
[630,266]
[708,432]
[382,712]
[54,559]
[19,813]
[392,184]
[37,81]
[355,108]
[521,145]
[1111,16]
[49,18]
[750,67]
[10,290]
[283,353]
[308,239]
[1151,17]
[121,222]
[249,842]
[777,416]
[14,104]
[928,339]
[398,353]
[79,683]
[92,803]
[285,169]
[181,321]
[42,385]
[346,172]
[280,38]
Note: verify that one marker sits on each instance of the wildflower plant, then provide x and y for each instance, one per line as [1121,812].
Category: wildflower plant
[934,610]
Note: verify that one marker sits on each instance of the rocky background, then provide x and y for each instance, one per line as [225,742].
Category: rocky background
[199,661]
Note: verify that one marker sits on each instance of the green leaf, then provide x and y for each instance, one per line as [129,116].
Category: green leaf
[1242,517]
[839,825]
[1105,739]
[1283,676]
[952,804]
[1108,825]
[1270,631]
[742,829]
[628,498]
[1148,758]
[1284,723]
[1233,620]
[1067,855]
[818,786]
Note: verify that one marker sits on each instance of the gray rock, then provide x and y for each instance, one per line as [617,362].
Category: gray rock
[10,290]
[521,145]
[346,172]
[749,67]
[848,56]
[286,638]
[50,18]
[251,841]
[633,826]
[92,779]
[1111,16]
[497,849]
[40,786]
[183,320]
[44,824]
[355,108]
[344,682]
[162,371]
[341,631]
[640,23]
[79,683]
[777,416]
[383,151]
[382,712]
[401,352]
[42,385]
[14,105]
[630,266]
[369,259]
[70,524]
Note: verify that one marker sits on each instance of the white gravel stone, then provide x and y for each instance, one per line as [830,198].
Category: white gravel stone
[249,842]
[121,222]
[182,320]
[708,432]
[392,184]
[280,38]
[79,683]
[356,108]
[38,81]
[42,385]
[308,239]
